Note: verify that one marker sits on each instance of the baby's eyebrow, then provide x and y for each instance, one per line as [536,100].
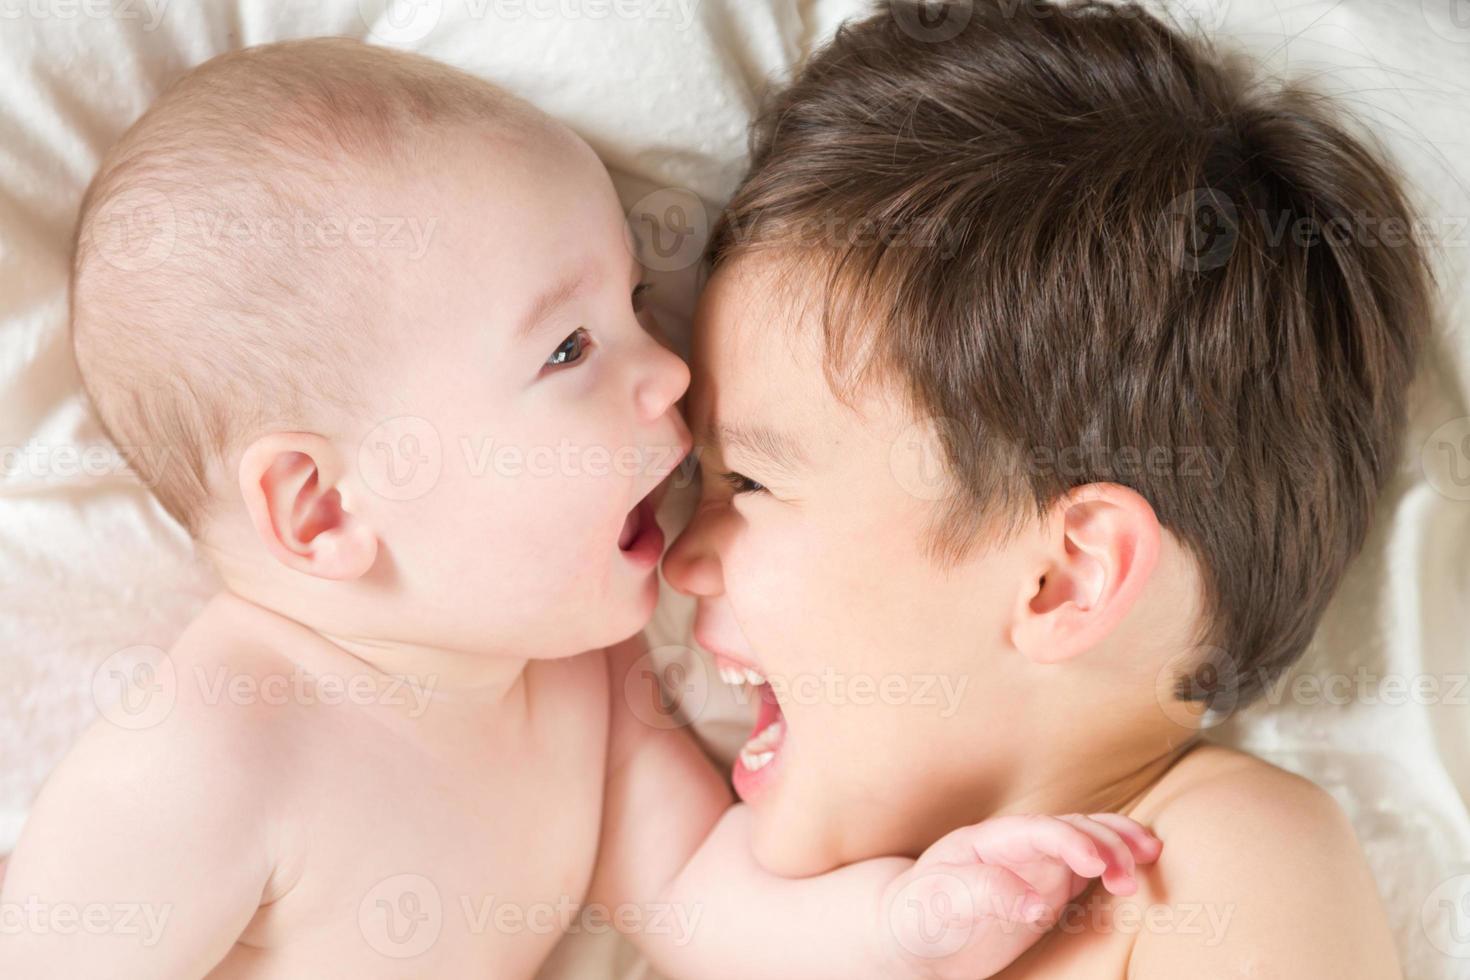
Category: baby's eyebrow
[768,444]
[548,302]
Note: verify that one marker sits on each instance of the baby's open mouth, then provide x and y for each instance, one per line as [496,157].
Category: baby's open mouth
[765,741]
[641,539]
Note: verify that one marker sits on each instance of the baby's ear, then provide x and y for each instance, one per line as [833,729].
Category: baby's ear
[291,483]
[1098,551]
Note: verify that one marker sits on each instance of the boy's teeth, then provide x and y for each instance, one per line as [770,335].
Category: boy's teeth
[761,748]
[753,761]
[767,738]
[731,674]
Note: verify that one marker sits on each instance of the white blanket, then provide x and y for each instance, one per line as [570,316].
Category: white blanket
[664,89]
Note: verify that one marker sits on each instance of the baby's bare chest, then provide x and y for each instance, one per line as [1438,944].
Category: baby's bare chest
[469,853]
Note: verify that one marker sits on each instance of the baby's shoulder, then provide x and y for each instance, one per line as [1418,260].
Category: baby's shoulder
[221,708]
[174,746]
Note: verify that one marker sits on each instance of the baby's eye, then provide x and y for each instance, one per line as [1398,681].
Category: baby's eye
[638,292]
[741,483]
[571,349]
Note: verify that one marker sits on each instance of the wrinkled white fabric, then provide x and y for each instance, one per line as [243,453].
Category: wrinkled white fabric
[90,567]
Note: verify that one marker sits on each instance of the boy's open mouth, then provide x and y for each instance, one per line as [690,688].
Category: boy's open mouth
[641,539]
[761,749]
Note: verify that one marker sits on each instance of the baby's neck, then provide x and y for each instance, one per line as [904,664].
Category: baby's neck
[446,675]
[431,673]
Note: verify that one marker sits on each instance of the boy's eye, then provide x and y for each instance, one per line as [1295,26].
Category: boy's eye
[740,483]
[638,292]
[571,349]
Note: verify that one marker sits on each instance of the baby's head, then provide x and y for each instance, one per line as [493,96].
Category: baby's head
[368,327]
[1048,357]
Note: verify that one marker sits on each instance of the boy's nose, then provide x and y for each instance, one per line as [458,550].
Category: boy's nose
[662,382]
[691,565]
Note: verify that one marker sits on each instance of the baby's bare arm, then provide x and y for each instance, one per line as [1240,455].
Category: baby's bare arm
[142,857]
[675,851]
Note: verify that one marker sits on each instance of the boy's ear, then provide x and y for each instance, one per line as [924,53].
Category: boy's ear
[291,483]
[1101,546]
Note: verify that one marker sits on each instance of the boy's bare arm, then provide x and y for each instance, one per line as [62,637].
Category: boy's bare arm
[142,857]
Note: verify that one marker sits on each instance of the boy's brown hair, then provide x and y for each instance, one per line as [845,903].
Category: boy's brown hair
[1084,241]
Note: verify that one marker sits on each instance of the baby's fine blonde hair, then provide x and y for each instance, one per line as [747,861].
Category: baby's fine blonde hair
[218,288]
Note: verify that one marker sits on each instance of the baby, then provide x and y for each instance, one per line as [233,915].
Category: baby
[371,331]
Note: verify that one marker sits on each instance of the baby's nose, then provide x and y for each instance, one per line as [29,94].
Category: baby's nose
[663,382]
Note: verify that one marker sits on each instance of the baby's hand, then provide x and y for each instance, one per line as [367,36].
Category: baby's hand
[982,895]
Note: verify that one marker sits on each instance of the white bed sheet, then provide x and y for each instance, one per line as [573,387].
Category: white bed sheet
[664,89]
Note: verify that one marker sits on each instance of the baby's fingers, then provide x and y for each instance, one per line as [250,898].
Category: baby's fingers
[1117,876]
[1144,845]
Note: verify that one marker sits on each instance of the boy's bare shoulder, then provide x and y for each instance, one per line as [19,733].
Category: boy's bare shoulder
[1217,791]
[1271,858]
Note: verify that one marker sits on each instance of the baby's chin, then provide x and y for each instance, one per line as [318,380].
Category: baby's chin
[622,611]
[634,613]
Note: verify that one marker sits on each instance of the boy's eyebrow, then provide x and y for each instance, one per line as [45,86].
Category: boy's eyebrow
[771,445]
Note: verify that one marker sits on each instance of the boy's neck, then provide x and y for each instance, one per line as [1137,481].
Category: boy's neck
[1092,775]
